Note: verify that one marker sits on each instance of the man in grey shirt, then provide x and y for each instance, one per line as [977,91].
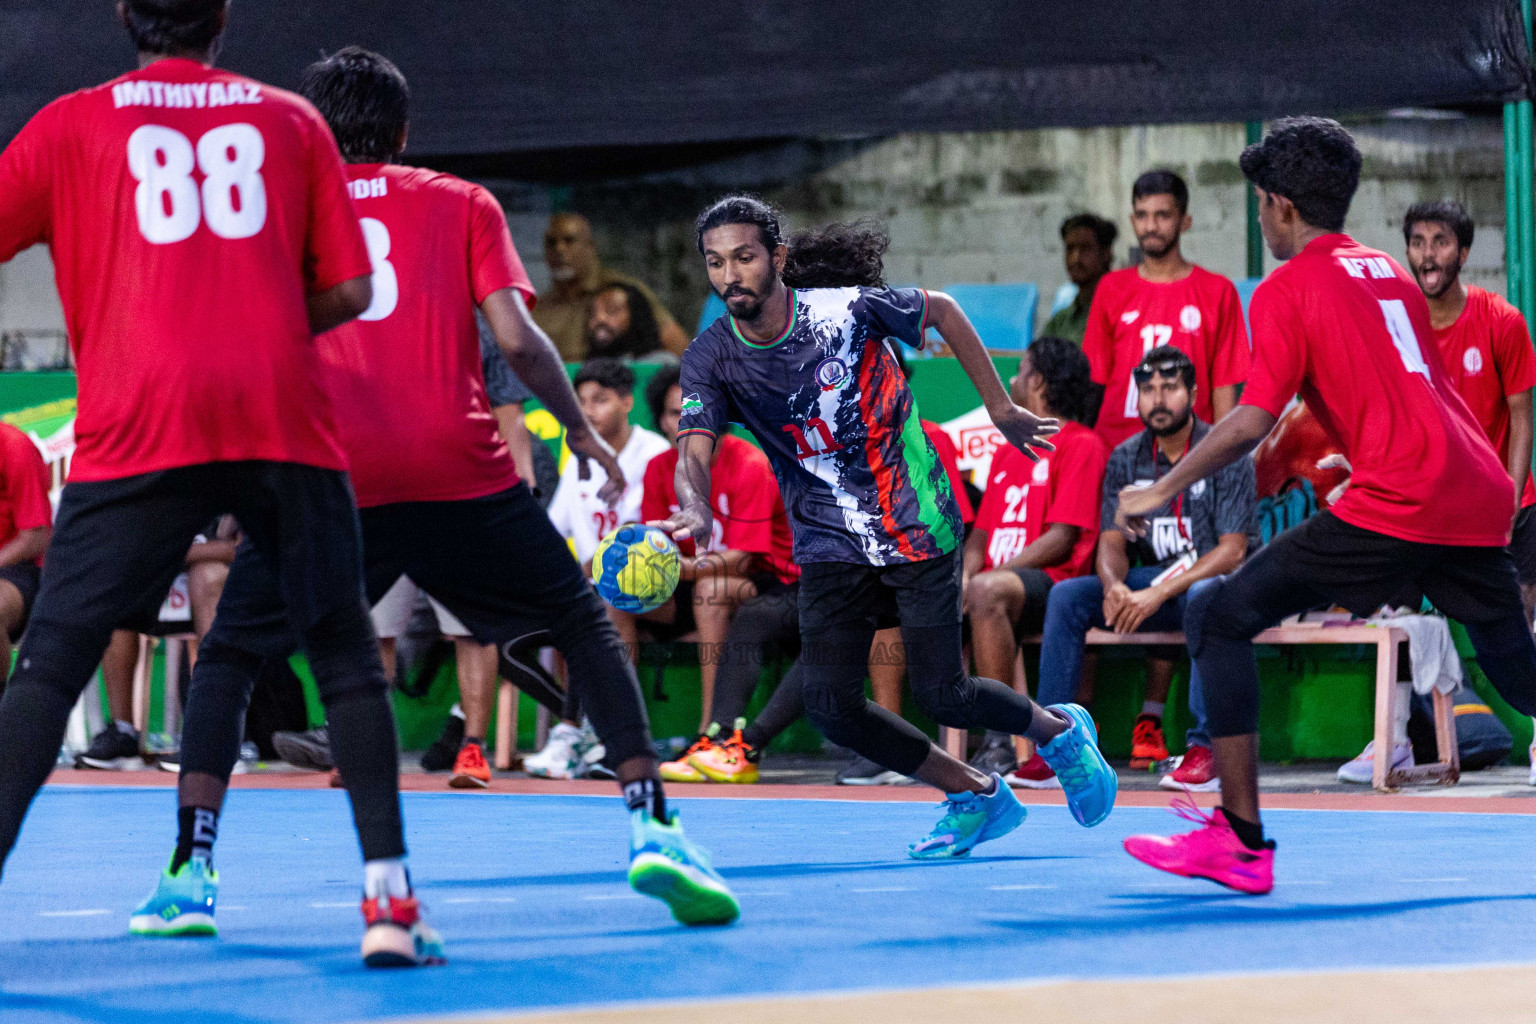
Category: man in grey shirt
[1143,585]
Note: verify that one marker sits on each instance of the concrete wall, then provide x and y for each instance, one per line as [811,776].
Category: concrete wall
[978,207]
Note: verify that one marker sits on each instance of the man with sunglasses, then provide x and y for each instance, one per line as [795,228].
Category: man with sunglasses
[1142,586]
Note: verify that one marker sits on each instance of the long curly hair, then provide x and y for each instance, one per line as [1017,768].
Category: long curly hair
[1068,380]
[838,256]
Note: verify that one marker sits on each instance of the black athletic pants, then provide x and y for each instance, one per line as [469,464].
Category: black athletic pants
[118,544]
[495,562]
[768,621]
[1328,561]
[842,604]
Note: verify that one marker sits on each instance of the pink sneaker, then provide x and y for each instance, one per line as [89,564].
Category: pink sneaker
[1212,852]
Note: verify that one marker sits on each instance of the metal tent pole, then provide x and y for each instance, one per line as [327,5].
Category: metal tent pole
[1526,200]
[1255,238]
[1513,261]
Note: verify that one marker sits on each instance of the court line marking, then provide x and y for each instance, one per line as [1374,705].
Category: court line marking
[481,899]
[616,896]
[1015,888]
[1434,879]
[93,912]
[333,906]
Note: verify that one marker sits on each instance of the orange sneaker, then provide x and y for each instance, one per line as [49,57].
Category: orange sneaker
[681,770]
[732,761]
[469,769]
[1147,746]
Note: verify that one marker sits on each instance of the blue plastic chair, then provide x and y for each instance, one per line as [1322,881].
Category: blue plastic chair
[1003,314]
[1245,289]
[714,309]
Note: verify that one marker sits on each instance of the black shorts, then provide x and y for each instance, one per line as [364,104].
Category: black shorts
[118,544]
[1037,590]
[1361,569]
[24,577]
[495,562]
[1522,545]
[852,594]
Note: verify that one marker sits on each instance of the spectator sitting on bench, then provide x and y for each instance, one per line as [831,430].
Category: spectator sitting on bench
[1200,535]
[1038,523]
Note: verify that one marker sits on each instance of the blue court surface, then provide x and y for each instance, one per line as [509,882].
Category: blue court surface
[528,892]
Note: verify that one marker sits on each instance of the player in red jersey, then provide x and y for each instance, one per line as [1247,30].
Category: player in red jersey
[1038,523]
[202,236]
[441,501]
[26,524]
[1167,300]
[1429,506]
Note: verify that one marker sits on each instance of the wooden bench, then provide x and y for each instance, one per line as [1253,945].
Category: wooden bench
[1446,771]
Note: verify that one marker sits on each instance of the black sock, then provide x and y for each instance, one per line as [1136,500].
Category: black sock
[647,792]
[478,741]
[1250,832]
[196,829]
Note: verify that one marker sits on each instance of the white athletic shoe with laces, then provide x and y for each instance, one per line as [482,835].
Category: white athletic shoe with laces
[558,759]
[1359,770]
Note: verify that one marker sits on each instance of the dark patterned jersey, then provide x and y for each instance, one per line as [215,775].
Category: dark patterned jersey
[829,404]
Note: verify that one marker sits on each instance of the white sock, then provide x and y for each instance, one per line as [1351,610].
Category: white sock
[1153,708]
[126,727]
[456,711]
[386,877]
[1404,707]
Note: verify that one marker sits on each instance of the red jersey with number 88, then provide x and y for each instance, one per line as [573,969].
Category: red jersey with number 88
[1347,328]
[406,375]
[1200,315]
[190,212]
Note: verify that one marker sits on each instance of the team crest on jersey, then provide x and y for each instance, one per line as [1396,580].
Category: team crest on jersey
[1130,318]
[1472,360]
[831,373]
[1197,488]
[1042,471]
[692,403]
[1189,318]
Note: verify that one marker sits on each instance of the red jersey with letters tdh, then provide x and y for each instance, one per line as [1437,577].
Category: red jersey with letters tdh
[406,376]
[190,212]
[1347,328]
[1199,314]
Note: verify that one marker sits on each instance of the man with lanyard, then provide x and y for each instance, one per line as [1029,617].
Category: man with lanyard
[1200,533]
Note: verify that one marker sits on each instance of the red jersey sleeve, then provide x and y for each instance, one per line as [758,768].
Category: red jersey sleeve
[26,482]
[754,504]
[493,260]
[1099,337]
[1079,482]
[1279,349]
[25,185]
[950,460]
[1230,355]
[1512,354]
[334,250]
[656,493]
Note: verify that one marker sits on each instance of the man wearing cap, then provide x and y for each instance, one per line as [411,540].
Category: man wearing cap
[1143,585]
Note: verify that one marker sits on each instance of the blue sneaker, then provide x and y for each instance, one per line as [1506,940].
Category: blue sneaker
[664,864]
[969,819]
[182,904]
[1090,783]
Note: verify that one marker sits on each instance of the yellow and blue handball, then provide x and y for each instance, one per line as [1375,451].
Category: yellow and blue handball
[636,568]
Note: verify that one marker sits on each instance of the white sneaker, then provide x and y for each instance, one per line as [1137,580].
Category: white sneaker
[1532,752]
[559,758]
[1360,769]
[589,749]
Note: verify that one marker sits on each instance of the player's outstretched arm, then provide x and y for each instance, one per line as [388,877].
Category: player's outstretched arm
[536,361]
[1024,430]
[335,306]
[1238,433]
[693,518]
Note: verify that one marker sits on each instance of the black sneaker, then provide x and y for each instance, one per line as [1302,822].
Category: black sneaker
[439,757]
[996,756]
[864,772]
[114,749]
[309,750]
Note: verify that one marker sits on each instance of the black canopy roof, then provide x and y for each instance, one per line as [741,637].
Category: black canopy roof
[502,77]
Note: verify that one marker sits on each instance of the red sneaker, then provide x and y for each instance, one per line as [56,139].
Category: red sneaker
[469,769]
[1147,746]
[1212,852]
[1033,774]
[1196,772]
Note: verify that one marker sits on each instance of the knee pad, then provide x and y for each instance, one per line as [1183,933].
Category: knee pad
[827,704]
[60,655]
[1200,605]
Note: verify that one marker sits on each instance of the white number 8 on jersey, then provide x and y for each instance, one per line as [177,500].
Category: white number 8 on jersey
[386,286]
[234,196]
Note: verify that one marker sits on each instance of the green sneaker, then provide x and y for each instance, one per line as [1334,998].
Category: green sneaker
[182,904]
[970,819]
[664,864]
